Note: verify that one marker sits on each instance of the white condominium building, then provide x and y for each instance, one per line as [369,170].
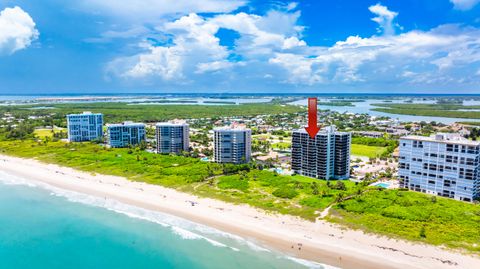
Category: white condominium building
[442,164]
[172,137]
[85,127]
[125,134]
[327,156]
[232,144]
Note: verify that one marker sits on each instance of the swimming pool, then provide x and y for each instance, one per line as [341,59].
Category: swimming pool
[383,185]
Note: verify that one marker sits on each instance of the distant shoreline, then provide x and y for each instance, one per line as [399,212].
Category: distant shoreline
[243,94]
[320,241]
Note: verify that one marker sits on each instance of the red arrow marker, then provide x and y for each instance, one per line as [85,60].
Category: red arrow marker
[312,128]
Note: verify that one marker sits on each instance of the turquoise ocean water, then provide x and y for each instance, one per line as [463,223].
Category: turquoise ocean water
[45,227]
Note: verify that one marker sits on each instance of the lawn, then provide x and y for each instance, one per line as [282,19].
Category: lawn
[41,133]
[282,145]
[367,151]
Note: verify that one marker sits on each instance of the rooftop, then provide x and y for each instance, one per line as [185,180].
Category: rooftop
[85,113]
[173,123]
[126,123]
[232,128]
[450,138]
[324,130]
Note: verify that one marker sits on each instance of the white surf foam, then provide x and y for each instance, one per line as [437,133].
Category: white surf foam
[311,264]
[186,229]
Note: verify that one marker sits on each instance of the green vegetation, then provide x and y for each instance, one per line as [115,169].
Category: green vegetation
[285,192]
[118,112]
[282,145]
[373,147]
[433,110]
[22,131]
[401,214]
[471,123]
[414,216]
[233,182]
[295,195]
[368,151]
[42,133]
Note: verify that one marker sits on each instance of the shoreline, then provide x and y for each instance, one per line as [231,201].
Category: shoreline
[320,241]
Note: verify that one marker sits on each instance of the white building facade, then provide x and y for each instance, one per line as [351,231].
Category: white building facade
[125,134]
[85,127]
[172,137]
[232,144]
[444,164]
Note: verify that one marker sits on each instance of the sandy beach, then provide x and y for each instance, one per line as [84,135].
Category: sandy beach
[317,241]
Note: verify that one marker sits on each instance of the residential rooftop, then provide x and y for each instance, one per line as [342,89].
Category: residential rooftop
[232,128]
[448,138]
[126,123]
[324,130]
[172,123]
[85,113]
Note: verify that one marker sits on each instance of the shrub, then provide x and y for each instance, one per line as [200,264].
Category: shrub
[339,186]
[233,182]
[285,192]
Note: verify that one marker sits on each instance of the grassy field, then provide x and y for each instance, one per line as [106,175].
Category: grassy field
[367,151]
[282,145]
[413,216]
[41,133]
[434,110]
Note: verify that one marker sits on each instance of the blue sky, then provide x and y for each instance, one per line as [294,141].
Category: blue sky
[95,46]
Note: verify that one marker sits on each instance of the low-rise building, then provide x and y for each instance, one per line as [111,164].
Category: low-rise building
[371,134]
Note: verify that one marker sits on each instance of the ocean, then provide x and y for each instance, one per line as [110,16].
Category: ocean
[45,227]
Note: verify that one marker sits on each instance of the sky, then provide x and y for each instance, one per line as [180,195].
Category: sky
[239,46]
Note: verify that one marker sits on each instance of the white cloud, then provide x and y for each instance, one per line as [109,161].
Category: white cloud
[270,49]
[154,9]
[293,42]
[292,6]
[433,52]
[384,18]
[195,49]
[111,35]
[216,66]
[300,69]
[17,30]
[464,4]
[162,61]
[263,35]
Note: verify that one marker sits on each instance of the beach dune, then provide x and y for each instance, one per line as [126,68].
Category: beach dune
[316,241]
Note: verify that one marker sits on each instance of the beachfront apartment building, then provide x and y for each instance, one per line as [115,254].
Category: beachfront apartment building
[172,137]
[125,134]
[232,144]
[327,156]
[443,164]
[85,127]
